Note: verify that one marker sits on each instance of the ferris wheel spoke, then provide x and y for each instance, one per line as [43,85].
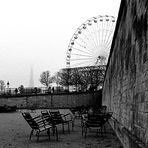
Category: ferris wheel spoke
[105,39]
[89,33]
[82,47]
[100,32]
[92,33]
[96,34]
[112,27]
[86,44]
[82,50]
[89,38]
[82,64]
[107,49]
[90,44]
[109,43]
[106,31]
[103,30]
[110,33]
[109,40]
[80,59]
[81,55]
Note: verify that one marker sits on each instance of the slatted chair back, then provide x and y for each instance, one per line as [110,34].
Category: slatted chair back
[95,121]
[38,124]
[56,116]
[101,109]
[108,116]
[47,116]
[33,124]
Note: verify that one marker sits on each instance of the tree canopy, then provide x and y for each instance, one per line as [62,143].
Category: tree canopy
[45,78]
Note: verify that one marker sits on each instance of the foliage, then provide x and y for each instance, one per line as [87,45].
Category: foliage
[64,77]
[81,77]
[45,78]
[56,78]
[76,78]
[2,85]
[21,89]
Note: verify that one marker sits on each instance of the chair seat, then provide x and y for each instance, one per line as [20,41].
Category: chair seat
[44,128]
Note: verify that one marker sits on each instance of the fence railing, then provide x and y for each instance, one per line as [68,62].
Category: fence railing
[28,91]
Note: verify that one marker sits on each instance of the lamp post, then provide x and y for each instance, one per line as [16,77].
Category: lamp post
[8,84]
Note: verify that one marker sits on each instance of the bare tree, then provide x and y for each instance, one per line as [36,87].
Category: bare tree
[2,85]
[45,78]
[56,78]
[81,77]
[76,78]
[64,77]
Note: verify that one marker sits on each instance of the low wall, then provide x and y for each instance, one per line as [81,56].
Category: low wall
[67,100]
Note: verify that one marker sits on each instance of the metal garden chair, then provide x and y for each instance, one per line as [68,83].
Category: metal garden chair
[37,124]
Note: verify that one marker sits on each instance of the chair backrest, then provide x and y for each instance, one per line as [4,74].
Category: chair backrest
[55,115]
[33,124]
[95,120]
[45,113]
[108,116]
[47,116]
[102,109]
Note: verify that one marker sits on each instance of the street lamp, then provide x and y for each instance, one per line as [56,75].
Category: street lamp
[8,84]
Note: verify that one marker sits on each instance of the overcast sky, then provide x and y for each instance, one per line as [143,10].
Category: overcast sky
[36,33]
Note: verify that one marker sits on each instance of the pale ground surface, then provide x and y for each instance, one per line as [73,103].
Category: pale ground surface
[14,133]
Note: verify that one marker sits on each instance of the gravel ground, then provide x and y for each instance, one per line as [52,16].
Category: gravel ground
[14,133]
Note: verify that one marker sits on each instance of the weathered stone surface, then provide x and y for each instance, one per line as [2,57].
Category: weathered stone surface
[125,89]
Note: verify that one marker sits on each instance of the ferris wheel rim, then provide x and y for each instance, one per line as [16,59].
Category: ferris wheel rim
[79,31]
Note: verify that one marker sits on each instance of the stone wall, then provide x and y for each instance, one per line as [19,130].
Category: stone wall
[125,89]
[63,100]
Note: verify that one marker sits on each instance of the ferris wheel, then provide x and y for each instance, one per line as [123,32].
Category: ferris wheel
[90,44]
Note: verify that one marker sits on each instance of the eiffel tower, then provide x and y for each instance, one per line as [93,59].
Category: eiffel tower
[31,82]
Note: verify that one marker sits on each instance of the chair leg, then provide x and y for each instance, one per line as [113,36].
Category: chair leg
[72,125]
[101,130]
[31,133]
[48,132]
[56,133]
[68,128]
[53,130]
[38,135]
[97,132]
[85,131]
[63,128]
[104,129]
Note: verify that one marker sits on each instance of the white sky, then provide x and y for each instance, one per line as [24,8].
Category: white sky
[36,33]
